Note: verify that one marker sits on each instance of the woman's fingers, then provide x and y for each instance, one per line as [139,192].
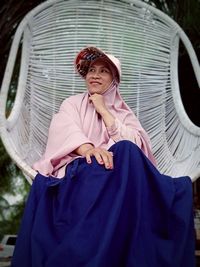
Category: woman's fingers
[98,156]
[107,159]
[88,158]
[98,102]
[102,156]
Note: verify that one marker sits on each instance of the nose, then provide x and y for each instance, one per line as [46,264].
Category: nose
[95,75]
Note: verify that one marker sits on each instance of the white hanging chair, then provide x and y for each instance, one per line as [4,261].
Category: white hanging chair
[142,37]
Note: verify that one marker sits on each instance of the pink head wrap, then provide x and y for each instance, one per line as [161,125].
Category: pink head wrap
[77,121]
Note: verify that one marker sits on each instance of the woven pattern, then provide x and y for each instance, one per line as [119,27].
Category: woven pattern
[146,44]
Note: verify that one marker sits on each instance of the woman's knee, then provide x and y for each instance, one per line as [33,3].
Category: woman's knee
[124,145]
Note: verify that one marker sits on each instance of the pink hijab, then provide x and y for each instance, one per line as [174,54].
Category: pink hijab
[77,123]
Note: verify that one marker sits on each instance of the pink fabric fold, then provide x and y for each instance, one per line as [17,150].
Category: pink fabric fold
[77,123]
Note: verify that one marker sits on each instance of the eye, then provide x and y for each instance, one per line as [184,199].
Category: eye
[105,70]
[91,70]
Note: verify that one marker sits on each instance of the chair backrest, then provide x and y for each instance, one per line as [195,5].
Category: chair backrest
[146,42]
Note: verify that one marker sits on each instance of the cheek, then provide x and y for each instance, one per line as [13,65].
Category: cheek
[109,78]
[109,81]
[86,81]
[87,85]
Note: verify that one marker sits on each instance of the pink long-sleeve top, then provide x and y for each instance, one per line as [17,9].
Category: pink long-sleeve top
[77,123]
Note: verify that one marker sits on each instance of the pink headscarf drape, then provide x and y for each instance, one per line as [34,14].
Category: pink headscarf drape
[77,123]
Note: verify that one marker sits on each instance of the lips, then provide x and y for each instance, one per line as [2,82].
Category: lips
[95,82]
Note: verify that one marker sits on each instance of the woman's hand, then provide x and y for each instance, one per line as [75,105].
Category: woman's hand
[98,103]
[102,156]
[101,108]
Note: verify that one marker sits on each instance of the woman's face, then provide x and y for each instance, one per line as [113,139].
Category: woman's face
[99,77]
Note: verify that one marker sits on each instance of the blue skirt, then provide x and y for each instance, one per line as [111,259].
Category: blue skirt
[131,216]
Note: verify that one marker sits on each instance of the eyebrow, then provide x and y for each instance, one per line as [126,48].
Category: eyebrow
[101,66]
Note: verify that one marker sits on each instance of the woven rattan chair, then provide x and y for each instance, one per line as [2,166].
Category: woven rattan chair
[142,37]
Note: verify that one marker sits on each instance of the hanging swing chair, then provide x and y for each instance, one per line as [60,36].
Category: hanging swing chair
[147,43]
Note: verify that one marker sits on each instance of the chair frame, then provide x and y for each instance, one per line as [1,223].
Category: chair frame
[22,33]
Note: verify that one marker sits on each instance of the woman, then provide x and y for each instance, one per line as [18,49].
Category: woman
[110,207]
[92,121]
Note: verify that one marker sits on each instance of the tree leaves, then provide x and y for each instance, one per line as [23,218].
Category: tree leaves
[186,13]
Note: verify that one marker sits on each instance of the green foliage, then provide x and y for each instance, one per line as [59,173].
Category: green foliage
[186,13]
[7,170]
[12,184]
[12,181]
[11,13]
[12,214]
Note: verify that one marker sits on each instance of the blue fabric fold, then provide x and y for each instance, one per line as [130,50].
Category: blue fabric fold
[131,216]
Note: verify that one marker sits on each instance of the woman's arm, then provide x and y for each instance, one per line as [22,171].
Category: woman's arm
[81,150]
[117,130]
[121,131]
[101,108]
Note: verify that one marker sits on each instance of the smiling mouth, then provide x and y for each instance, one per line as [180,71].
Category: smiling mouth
[95,82]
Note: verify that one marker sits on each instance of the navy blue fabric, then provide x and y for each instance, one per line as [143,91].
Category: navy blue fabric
[131,216]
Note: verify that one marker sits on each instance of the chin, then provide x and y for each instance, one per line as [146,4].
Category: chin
[95,92]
